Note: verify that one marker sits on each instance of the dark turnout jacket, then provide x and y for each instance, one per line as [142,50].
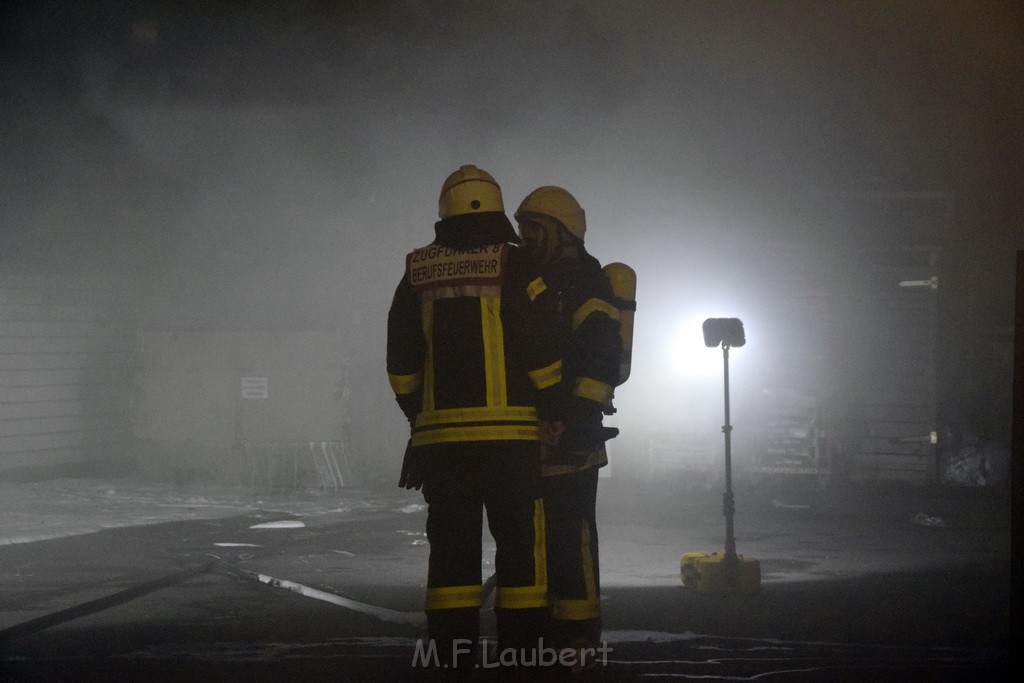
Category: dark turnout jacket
[472,348]
[592,353]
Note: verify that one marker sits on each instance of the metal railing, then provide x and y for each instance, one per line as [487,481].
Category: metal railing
[295,464]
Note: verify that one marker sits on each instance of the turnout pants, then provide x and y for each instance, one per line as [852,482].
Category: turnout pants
[460,482]
[574,582]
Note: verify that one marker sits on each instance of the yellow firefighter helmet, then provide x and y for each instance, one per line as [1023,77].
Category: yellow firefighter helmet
[469,190]
[557,203]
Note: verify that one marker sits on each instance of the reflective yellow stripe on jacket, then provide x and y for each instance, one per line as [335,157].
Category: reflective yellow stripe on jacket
[536,288]
[450,434]
[593,306]
[587,387]
[405,384]
[547,376]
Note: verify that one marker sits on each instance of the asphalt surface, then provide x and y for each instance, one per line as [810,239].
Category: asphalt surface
[861,584]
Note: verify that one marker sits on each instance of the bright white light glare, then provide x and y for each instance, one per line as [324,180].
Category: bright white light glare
[687,353]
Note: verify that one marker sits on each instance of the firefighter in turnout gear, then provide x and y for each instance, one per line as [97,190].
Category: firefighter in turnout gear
[474,362]
[552,225]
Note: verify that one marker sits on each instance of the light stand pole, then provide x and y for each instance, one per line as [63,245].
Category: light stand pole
[731,562]
[728,571]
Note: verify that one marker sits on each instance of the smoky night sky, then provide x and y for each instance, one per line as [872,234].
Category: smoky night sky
[269,164]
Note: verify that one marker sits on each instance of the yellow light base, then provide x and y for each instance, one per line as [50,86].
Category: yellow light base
[705,573]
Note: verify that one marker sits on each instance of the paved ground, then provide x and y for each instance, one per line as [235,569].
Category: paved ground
[163,584]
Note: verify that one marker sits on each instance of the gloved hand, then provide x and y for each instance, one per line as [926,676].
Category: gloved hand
[551,432]
[578,442]
[411,476]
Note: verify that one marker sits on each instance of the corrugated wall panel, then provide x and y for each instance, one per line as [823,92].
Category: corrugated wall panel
[54,345]
[54,361]
[64,375]
[67,392]
[40,459]
[846,334]
[97,405]
[44,425]
[190,414]
[894,396]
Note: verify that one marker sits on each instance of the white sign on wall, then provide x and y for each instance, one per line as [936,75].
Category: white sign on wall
[254,387]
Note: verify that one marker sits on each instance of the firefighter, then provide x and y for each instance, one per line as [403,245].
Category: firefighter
[473,360]
[552,225]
